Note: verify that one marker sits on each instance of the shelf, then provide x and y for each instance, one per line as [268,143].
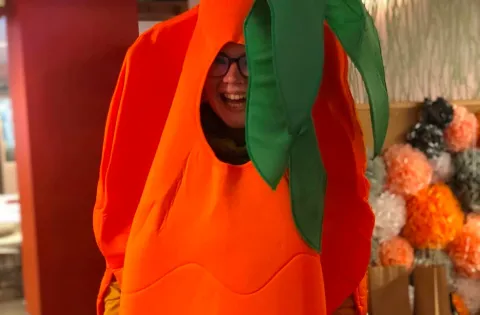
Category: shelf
[160,10]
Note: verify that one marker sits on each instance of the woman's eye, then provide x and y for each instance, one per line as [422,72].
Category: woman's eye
[220,61]
[243,61]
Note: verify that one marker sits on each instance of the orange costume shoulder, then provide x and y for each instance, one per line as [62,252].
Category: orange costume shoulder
[184,233]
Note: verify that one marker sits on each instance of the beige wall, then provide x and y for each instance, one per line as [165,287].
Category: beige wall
[192,3]
[430,48]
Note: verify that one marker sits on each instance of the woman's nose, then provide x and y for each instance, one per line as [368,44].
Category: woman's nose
[233,75]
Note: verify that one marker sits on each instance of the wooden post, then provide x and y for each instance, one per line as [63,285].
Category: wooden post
[64,58]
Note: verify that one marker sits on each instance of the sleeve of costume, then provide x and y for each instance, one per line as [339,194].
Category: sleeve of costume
[101,195]
[124,166]
[138,111]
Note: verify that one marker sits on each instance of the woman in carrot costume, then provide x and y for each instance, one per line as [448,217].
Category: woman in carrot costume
[213,195]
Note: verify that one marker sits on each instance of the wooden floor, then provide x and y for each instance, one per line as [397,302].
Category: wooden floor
[12,308]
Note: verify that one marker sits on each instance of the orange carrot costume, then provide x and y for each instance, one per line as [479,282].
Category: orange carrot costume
[186,234]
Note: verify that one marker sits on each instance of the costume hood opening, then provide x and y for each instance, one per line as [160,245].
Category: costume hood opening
[285,50]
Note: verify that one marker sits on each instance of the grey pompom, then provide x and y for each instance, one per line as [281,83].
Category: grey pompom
[466,180]
[376,174]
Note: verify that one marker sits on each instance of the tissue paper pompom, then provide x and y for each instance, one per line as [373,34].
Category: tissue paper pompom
[396,252]
[461,134]
[469,290]
[466,181]
[443,169]
[434,217]
[390,215]
[408,170]
[427,138]
[465,251]
[438,113]
[459,305]
[376,174]
[435,257]
[478,128]
[473,220]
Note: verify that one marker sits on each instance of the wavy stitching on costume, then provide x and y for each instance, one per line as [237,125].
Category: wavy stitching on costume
[261,287]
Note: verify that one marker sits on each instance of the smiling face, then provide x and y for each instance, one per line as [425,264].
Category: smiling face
[226,85]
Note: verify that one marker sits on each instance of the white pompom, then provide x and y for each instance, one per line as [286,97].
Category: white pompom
[469,290]
[390,215]
[442,168]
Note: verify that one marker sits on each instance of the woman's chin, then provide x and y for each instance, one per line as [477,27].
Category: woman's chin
[232,114]
[234,120]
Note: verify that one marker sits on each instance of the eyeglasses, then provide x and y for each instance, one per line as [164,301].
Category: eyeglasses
[222,64]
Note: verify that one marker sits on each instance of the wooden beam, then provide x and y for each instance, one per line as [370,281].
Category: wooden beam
[160,10]
[403,116]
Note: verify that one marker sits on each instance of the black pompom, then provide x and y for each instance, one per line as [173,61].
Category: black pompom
[438,113]
[427,138]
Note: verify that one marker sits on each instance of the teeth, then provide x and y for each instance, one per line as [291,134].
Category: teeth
[235,97]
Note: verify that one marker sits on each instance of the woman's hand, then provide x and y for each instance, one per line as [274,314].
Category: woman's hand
[112,299]
[347,308]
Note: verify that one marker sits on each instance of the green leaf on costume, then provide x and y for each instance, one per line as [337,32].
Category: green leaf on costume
[284,42]
[354,28]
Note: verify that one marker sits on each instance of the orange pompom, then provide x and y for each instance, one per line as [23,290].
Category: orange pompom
[408,170]
[465,249]
[473,220]
[434,218]
[459,304]
[477,115]
[396,251]
[461,134]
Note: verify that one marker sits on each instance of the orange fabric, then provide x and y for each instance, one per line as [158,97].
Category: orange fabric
[361,297]
[459,304]
[207,237]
